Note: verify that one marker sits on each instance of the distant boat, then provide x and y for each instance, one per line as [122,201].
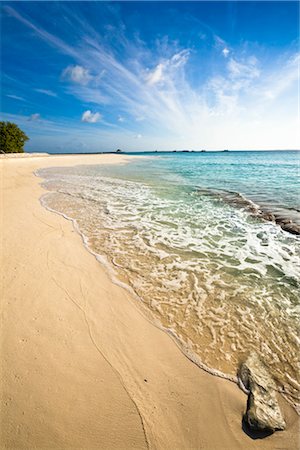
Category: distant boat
[225,150]
[203,151]
[119,150]
[185,151]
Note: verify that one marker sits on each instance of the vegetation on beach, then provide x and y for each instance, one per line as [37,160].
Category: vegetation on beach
[12,138]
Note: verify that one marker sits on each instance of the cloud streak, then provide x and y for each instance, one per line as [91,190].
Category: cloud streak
[155,89]
[34,117]
[16,97]
[46,92]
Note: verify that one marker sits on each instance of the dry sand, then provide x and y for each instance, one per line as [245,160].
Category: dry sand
[81,366]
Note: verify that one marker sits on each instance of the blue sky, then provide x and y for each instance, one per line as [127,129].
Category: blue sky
[96,76]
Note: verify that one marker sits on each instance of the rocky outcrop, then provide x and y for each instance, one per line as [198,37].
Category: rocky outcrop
[280,216]
[263,413]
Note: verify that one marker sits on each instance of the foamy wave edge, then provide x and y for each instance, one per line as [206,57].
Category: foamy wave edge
[238,200]
[112,274]
[181,345]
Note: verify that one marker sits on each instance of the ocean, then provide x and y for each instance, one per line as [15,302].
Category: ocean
[208,243]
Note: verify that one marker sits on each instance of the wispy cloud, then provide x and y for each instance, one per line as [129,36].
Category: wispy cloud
[34,117]
[243,70]
[164,69]
[16,97]
[279,82]
[88,94]
[156,75]
[48,37]
[46,92]
[167,89]
[66,135]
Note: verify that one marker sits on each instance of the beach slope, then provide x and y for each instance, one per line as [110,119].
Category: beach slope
[81,365]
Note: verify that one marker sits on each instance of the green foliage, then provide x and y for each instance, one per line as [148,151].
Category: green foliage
[12,138]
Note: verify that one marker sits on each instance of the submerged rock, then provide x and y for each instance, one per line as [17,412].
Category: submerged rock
[291,227]
[263,412]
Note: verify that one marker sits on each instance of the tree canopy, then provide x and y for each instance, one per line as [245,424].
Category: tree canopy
[12,138]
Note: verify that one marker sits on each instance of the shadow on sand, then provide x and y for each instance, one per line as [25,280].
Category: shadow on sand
[254,434]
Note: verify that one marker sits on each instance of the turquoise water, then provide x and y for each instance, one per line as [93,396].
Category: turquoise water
[269,179]
[201,239]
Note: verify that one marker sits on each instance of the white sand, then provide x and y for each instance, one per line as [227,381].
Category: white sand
[81,367]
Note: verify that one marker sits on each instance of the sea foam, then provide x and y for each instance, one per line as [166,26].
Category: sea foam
[221,282]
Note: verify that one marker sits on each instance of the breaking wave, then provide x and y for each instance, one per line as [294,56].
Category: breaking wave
[219,279]
[282,216]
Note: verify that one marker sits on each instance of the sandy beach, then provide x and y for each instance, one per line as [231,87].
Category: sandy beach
[82,367]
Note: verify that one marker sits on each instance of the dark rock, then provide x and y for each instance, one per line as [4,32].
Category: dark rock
[291,228]
[263,412]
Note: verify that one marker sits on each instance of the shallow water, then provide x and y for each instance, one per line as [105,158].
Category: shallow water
[209,269]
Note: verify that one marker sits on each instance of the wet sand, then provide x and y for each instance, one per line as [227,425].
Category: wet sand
[81,366]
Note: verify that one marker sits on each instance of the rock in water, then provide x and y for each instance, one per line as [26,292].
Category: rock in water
[263,412]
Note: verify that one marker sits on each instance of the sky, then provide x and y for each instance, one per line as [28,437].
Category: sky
[142,76]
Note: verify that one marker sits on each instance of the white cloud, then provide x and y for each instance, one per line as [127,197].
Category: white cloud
[277,84]
[16,97]
[121,119]
[138,136]
[180,58]
[243,69]
[219,41]
[154,86]
[225,52]
[88,94]
[140,118]
[34,117]
[77,74]
[46,92]
[164,70]
[156,75]
[90,117]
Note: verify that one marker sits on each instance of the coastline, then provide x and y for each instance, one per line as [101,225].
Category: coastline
[80,363]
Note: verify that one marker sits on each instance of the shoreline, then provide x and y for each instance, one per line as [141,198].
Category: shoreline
[146,314]
[137,302]
[155,388]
